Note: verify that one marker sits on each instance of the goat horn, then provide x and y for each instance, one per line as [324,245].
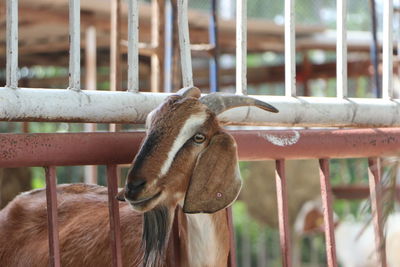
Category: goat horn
[218,103]
[189,92]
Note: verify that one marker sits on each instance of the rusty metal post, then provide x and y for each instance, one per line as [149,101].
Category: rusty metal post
[52,218]
[283,213]
[113,205]
[326,193]
[374,176]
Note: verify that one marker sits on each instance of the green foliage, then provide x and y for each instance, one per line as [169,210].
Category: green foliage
[38,178]
[250,233]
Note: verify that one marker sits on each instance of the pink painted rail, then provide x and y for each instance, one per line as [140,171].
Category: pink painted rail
[326,193]
[283,213]
[52,218]
[119,148]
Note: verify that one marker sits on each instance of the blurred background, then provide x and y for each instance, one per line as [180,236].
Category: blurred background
[43,48]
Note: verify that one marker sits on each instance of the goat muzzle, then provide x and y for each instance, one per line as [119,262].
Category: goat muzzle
[121,195]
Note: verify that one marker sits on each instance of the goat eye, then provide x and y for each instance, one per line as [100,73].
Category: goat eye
[199,138]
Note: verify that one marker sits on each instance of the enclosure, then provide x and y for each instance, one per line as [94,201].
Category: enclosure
[330,67]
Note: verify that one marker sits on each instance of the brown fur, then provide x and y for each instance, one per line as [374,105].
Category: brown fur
[83,230]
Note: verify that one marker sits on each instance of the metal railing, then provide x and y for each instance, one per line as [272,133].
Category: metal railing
[75,105]
[66,149]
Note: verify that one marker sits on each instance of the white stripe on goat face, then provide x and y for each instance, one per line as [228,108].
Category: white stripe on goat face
[188,129]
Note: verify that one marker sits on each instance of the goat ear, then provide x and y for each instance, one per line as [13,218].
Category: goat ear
[215,182]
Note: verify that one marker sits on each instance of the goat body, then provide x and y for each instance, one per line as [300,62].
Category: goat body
[356,249]
[186,162]
[85,236]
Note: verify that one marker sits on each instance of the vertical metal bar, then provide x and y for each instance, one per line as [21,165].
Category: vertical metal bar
[169,46]
[176,63]
[113,205]
[374,176]
[232,251]
[25,127]
[387,55]
[290,49]
[115,47]
[283,213]
[133,46]
[90,59]
[115,52]
[306,72]
[12,44]
[157,36]
[241,47]
[341,49]
[397,19]
[52,218]
[90,175]
[90,67]
[374,50]
[214,60]
[184,43]
[74,45]
[326,193]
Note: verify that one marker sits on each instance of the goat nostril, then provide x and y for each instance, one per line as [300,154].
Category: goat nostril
[134,187]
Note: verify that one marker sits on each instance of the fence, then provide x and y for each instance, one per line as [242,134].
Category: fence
[74,105]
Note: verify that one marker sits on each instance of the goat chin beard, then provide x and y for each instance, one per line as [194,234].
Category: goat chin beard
[156,230]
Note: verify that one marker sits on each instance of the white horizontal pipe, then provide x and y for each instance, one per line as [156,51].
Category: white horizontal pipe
[75,46]
[125,107]
[83,106]
[12,44]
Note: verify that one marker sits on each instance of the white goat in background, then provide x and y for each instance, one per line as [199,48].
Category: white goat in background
[186,160]
[355,246]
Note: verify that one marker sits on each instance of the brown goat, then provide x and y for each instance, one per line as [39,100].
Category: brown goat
[186,160]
